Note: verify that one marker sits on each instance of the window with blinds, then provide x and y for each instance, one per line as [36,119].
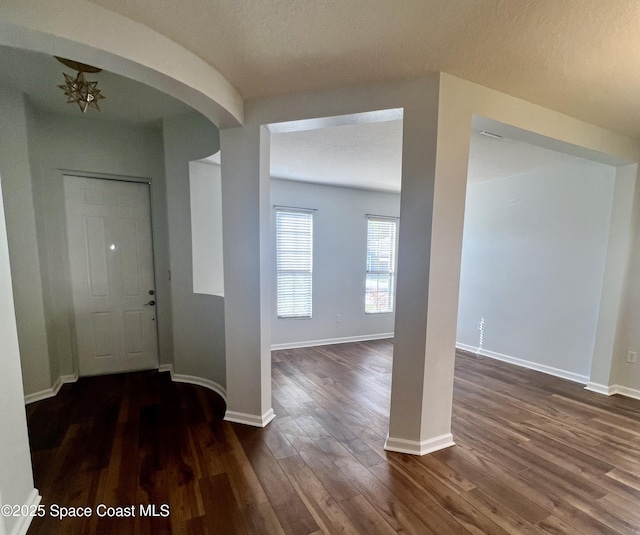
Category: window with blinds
[294,258]
[381,264]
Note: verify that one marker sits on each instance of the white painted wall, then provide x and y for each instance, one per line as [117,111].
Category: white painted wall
[16,477]
[533,261]
[339,262]
[624,374]
[206,228]
[93,146]
[23,245]
[198,319]
[462,101]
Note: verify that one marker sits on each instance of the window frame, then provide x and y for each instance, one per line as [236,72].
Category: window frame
[391,272]
[308,313]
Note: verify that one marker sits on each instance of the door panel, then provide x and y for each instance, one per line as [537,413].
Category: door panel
[97,256]
[103,334]
[129,257]
[111,264]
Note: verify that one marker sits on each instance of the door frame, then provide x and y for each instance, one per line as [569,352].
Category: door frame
[67,264]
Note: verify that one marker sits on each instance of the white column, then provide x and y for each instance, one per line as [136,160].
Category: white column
[610,345]
[435,159]
[245,213]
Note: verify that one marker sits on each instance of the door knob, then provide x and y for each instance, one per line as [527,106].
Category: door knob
[151,303]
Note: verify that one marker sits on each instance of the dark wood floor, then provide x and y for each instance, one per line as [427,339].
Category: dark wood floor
[534,454]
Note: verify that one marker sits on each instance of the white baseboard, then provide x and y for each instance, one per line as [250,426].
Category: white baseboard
[626,391]
[557,372]
[193,380]
[22,525]
[599,389]
[331,341]
[414,447]
[250,419]
[613,389]
[177,377]
[230,416]
[50,392]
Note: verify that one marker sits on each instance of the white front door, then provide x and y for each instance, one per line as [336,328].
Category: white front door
[111,261]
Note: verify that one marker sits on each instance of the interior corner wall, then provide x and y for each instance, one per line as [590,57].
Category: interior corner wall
[198,319]
[96,147]
[533,261]
[16,476]
[623,373]
[339,263]
[20,215]
[611,335]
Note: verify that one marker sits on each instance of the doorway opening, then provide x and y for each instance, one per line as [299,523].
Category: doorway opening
[344,173]
[538,222]
[335,205]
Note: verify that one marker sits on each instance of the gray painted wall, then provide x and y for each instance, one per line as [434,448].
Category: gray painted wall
[339,261]
[16,478]
[533,260]
[37,149]
[23,244]
[198,320]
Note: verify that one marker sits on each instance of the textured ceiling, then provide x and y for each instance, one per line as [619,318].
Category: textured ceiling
[369,156]
[38,76]
[493,159]
[580,57]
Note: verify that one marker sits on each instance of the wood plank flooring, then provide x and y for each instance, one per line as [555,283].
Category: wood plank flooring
[534,454]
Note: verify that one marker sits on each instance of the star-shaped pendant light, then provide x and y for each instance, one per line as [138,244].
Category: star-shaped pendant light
[78,89]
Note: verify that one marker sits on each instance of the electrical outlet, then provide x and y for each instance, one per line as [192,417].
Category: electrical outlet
[632,357]
[338,318]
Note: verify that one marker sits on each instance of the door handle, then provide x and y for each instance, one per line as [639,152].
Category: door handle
[151,303]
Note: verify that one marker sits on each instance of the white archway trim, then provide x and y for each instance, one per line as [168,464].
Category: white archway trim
[91,34]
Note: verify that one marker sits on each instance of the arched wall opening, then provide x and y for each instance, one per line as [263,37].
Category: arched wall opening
[141,135]
[95,36]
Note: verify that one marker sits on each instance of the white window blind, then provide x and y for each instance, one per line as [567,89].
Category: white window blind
[381,264]
[294,257]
